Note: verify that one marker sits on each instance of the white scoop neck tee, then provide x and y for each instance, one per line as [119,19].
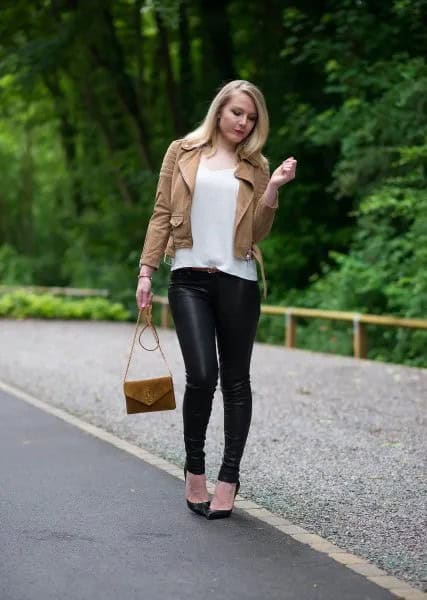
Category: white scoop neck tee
[213,213]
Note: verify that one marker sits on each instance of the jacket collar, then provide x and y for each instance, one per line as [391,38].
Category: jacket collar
[189,161]
[187,145]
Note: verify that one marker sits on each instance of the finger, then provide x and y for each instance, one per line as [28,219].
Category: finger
[289,168]
[149,298]
[144,299]
[148,301]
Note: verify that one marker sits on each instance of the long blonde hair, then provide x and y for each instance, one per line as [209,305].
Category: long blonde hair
[249,148]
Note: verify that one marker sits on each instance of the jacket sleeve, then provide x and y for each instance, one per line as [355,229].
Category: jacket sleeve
[159,227]
[263,214]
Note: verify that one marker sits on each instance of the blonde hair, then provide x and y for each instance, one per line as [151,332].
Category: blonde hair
[249,148]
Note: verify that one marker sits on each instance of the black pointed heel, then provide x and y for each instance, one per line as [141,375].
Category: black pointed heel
[221,514]
[200,508]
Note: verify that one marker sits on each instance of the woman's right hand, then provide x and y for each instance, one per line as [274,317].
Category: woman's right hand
[144,296]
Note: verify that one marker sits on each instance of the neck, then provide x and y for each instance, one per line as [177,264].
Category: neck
[223,144]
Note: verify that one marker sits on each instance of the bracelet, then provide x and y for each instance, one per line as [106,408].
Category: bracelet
[148,276]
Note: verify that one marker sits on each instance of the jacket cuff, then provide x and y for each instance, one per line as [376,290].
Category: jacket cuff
[275,205]
[150,261]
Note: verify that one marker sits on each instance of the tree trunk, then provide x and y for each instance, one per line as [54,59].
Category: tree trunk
[185,70]
[68,138]
[139,50]
[216,24]
[171,88]
[108,138]
[108,55]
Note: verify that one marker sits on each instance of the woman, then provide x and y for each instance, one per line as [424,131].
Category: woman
[215,200]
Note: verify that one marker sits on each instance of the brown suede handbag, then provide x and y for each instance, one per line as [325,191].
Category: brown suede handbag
[148,395]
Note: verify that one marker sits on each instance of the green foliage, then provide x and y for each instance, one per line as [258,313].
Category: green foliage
[21,305]
[374,123]
[92,93]
[14,267]
[382,164]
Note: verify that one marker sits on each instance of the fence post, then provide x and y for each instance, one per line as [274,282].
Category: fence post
[291,326]
[164,316]
[359,338]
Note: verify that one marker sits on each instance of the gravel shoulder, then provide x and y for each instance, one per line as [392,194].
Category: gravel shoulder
[336,445]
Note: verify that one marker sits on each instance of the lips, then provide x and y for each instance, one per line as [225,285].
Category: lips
[238,132]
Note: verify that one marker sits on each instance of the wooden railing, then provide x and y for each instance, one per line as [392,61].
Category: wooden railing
[291,315]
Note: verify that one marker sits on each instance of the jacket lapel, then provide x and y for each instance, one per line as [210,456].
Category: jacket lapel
[188,165]
[244,172]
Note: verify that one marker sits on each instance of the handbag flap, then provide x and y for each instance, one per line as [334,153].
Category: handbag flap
[148,391]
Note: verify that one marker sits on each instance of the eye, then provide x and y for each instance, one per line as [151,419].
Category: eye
[236,112]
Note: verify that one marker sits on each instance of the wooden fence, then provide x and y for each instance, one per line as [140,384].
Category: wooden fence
[291,315]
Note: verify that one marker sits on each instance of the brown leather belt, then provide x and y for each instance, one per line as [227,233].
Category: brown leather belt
[207,269]
[256,252]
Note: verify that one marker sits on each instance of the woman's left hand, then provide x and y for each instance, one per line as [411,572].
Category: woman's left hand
[284,172]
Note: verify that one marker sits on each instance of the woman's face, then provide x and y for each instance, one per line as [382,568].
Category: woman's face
[237,118]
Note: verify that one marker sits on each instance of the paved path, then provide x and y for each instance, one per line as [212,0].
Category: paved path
[82,519]
[337,446]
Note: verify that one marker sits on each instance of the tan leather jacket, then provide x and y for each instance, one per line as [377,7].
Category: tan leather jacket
[170,225]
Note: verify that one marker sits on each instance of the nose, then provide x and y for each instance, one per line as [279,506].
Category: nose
[242,120]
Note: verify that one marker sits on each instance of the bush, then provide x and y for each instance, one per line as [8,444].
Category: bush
[21,305]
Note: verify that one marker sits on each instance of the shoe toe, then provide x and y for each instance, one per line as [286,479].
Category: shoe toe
[200,508]
[217,514]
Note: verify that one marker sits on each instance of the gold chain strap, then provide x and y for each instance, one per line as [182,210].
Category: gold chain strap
[146,313]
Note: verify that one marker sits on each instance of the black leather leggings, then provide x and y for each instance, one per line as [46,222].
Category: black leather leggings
[208,306]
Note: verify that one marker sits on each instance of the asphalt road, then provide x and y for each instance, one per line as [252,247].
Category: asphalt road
[82,519]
